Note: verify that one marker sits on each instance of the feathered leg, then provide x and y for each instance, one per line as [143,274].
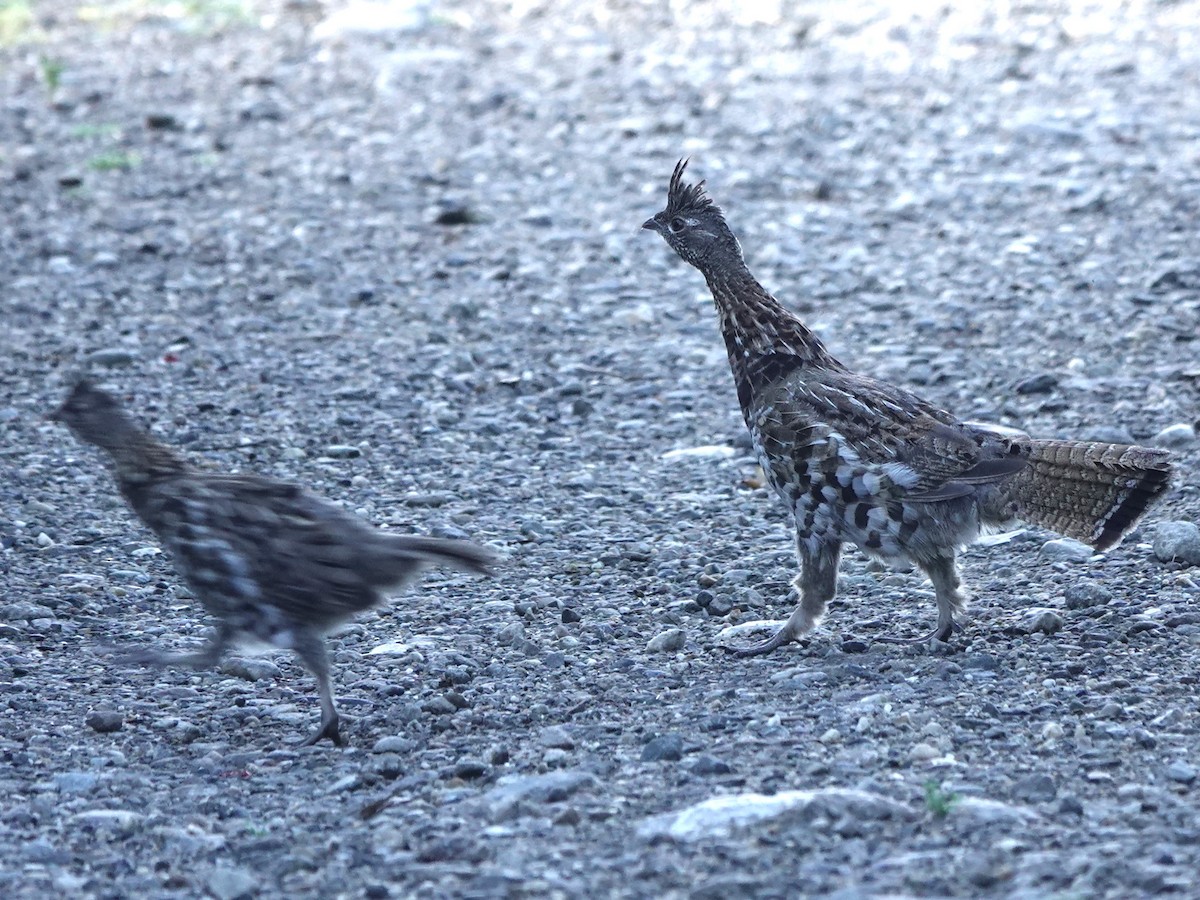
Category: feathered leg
[816,584]
[311,649]
[943,572]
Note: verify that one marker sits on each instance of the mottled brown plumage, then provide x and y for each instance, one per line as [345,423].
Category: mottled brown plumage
[271,562]
[862,461]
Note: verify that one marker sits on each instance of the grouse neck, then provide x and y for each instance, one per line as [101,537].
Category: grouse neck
[138,460]
[756,325]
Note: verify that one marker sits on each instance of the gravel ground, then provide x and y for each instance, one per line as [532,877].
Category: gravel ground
[404,267]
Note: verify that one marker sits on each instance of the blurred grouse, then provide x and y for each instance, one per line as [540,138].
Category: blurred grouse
[863,461]
[273,563]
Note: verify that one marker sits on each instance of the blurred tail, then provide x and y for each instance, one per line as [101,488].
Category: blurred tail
[395,558]
[1088,491]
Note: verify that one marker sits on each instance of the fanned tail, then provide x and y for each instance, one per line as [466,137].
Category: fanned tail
[1089,491]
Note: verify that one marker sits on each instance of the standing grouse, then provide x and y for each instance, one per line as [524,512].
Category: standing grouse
[859,460]
[273,563]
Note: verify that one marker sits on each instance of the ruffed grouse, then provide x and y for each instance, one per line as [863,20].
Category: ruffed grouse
[859,460]
[271,562]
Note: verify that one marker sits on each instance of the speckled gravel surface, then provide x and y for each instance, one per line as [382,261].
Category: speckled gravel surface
[404,267]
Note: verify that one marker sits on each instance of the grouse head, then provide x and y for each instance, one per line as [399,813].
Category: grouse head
[94,415]
[694,226]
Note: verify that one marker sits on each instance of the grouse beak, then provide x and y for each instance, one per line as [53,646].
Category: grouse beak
[651,224]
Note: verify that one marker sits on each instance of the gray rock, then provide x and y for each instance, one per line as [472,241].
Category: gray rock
[394,743]
[1109,434]
[104,720]
[1181,772]
[664,748]
[705,764]
[1035,789]
[24,611]
[470,769]
[112,357]
[558,737]
[41,851]
[669,641]
[981,811]
[511,634]
[342,451]
[250,669]
[718,605]
[1177,542]
[1067,550]
[722,816]
[1047,621]
[75,782]
[232,883]
[1042,383]
[439,706]
[515,794]
[1086,594]
[120,821]
[1181,435]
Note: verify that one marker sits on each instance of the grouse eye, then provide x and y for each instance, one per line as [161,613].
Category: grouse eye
[676,225]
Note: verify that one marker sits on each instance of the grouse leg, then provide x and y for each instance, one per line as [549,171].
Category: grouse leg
[311,650]
[947,586]
[816,584]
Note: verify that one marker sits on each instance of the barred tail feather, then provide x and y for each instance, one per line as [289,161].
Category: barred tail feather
[1090,491]
[394,559]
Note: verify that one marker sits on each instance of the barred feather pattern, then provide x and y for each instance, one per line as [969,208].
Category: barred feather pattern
[1090,491]
[273,563]
[858,460]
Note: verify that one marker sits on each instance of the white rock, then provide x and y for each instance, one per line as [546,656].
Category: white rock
[1067,550]
[1181,435]
[123,820]
[638,314]
[229,882]
[726,634]
[721,816]
[374,17]
[668,642]
[1002,537]
[1052,731]
[708,451]
[980,811]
